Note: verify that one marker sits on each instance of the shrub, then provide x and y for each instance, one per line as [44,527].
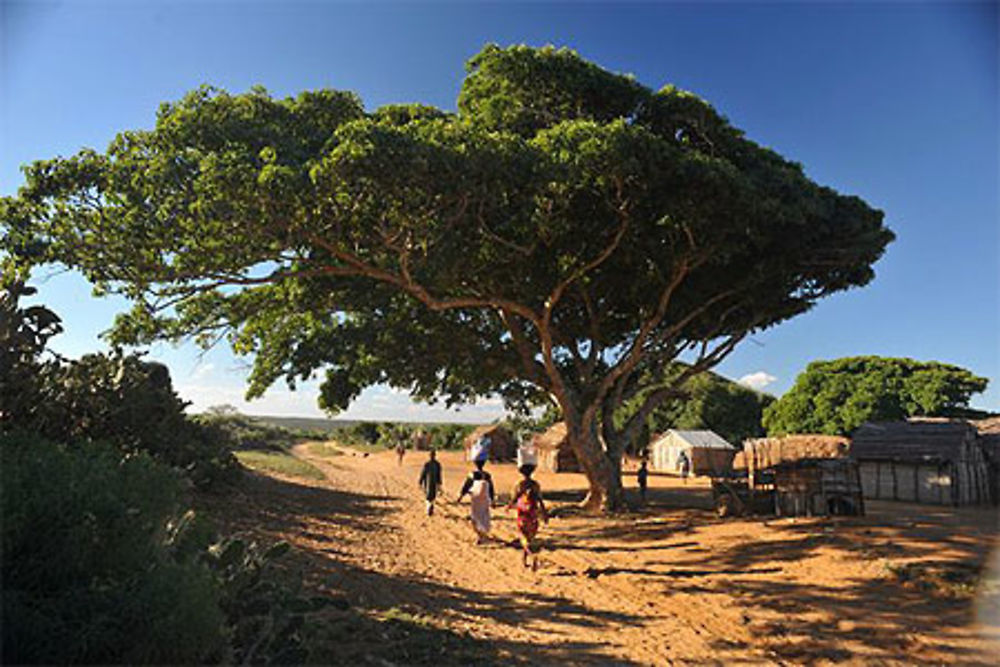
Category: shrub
[240,432]
[365,432]
[449,436]
[115,398]
[266,616]
[98,563]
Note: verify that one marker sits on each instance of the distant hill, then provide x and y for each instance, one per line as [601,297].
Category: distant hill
[304,423]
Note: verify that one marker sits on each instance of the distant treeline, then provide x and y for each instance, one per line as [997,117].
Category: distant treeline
[331,425]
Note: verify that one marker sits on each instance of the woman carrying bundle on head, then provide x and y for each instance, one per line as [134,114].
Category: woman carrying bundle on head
[479,486]
[527,499]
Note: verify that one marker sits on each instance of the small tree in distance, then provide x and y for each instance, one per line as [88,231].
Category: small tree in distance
[836,397]
[563,235]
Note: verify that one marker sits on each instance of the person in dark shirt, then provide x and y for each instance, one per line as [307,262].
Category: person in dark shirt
[684,463]
[642,477]
[430,480]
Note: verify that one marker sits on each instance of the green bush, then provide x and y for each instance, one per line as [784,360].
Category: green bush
[130,403]
[240,432]
[115,398]
[366,432]
[266,615]
[449,436]
[99,565]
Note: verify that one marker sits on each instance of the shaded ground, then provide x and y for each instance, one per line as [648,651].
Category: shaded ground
[670,584]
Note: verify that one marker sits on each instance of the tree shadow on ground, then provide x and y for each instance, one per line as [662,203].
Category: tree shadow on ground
[637,528]
[692,497]
[242,506]
[873,619]
[870,619]
[558,544]
[383,619]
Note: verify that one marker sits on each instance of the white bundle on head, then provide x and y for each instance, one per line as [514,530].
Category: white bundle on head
[480,450]
[527,455]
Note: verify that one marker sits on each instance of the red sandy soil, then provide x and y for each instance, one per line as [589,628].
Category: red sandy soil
[670,584]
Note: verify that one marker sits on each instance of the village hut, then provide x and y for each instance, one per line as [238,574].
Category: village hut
[706,453]
[503,444]
[989,439]
[554,451]
[807,475]
[421,440]
[923,460]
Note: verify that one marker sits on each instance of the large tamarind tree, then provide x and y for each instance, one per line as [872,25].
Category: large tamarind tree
[563,235]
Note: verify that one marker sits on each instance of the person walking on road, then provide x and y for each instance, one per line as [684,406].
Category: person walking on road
[527,499]
[430,480]
[400,452]
[479,486]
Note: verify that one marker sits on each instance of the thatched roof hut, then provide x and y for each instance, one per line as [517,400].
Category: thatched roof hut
[503,445]
[989,436]
[554,451]
[764,453]
[919,439]
[420,440]
[989,440]
[923,460]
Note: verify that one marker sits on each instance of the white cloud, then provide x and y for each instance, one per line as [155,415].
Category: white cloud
[202,371]
[757,380]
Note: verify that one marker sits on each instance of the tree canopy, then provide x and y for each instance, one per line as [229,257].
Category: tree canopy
[836,397]
[562,234]
[712,402]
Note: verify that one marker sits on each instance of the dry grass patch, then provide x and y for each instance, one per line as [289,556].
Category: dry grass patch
[279,463]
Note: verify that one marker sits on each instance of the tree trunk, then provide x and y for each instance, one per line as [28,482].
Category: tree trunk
[603,470]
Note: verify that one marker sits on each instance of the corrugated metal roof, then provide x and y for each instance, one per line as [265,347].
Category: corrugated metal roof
[707,439]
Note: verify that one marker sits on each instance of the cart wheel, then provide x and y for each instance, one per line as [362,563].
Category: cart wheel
[724,506]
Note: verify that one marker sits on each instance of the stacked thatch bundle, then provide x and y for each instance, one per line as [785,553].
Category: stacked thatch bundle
[763,453]
[503,444]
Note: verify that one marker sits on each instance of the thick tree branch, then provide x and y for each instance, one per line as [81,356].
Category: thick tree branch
[405,283]
[706,361]
[488,233]
[535,370]
[594,325]
[557,293]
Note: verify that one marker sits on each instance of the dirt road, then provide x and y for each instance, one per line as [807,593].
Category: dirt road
[670,585]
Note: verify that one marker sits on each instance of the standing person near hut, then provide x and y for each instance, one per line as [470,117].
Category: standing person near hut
[430,480]
[642,478]
[684,464]
[527,499]
[479,486]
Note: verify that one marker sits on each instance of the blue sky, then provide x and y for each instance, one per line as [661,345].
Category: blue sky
[896,103]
